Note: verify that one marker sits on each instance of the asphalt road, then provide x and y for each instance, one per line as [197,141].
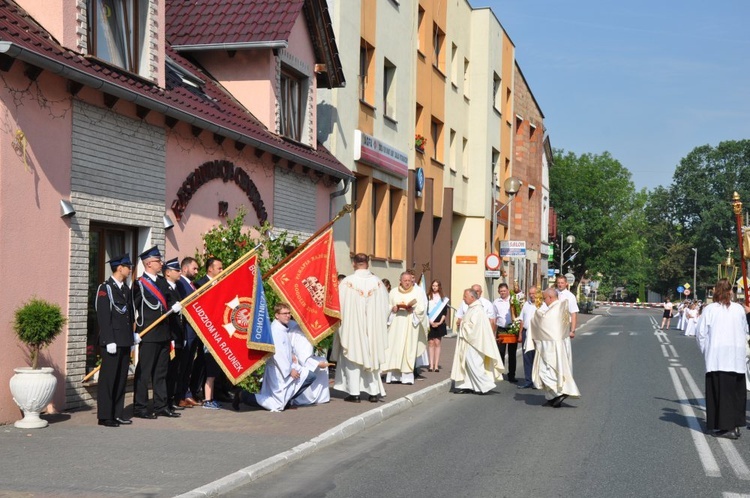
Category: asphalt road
[636,431]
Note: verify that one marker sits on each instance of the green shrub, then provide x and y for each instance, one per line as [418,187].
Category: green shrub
[36,324]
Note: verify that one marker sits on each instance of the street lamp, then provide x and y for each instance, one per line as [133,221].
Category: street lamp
[695,267]
[511,186]
[570,239]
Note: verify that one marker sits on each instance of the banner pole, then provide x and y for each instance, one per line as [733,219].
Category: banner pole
[737,207]
[346,209]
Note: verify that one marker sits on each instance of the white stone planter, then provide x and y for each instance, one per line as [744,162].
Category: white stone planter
[32,390]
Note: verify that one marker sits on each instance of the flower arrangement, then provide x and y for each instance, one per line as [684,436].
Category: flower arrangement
[515,327]
[419,141]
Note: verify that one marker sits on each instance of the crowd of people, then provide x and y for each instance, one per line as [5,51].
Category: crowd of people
[387,335]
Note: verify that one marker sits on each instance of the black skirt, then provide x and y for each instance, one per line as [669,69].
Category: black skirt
[667,314]
[441,330]
[726,398]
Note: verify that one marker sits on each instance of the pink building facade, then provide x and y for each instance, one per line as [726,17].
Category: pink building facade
[152,139]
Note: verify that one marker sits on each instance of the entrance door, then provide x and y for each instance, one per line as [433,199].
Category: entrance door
[105,243]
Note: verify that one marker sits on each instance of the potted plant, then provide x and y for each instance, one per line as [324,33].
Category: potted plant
[419,142]
[37,323]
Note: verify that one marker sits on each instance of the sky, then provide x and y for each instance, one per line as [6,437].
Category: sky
[647,81]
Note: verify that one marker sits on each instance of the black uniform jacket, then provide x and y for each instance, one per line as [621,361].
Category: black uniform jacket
[114,326]
[147,316]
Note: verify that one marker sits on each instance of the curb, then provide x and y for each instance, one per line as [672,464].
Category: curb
[342,431]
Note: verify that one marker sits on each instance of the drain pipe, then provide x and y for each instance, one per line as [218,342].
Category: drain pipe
[339,193]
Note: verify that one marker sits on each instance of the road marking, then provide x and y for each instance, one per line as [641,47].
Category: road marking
[672,359]
[614,333]
[674,351]
[664,351]
[730,451]
[710,466]
[588,333]
[727,494]
[634,333]
[661,339]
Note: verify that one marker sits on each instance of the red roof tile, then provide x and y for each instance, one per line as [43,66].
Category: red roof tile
[209,22]
[212,108]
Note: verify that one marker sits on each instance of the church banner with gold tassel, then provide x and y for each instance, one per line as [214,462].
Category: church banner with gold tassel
[308,282]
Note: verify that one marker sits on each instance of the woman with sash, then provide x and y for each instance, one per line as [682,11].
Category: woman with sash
[437,311]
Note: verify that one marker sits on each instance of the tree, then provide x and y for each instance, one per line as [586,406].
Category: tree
[596,201]
[701,195]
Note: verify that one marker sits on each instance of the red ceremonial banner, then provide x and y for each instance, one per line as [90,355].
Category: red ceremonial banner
[309,284]
[232,310]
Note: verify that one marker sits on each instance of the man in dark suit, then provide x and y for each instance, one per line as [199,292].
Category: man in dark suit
[193,346]
[214,266]
[114,313]
[152,299]
[171,272]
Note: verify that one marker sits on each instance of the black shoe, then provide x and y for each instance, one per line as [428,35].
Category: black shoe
[525,385]
[737,431]
[123,421]
[549,402]
[352,399]
[513,380]
[236,401]
[109,423]
[557,402]
[726,434]
[463,391]
[373,398]
[175,407]
[146,415]
[166,412]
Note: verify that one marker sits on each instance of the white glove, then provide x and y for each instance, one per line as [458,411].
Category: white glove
[176,308]
[136,338]
[112,348]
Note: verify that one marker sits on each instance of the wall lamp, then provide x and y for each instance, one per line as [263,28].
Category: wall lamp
[66,209]
[168,223]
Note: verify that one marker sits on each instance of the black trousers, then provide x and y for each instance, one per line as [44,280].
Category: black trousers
[185,369]
[726,397]
[511,363]
[153,364]
[110,398]
[173,376]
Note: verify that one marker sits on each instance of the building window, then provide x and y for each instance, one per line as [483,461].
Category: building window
[420,28]
[292,105]
[389,89]
[453,152]
[466,78]
[495,171]
[465,157]
[438,43]
[454,65]
[117,32]
[105,243]
[436,133]
[366,52]
[496,92]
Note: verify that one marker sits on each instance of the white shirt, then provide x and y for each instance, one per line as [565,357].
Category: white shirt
[527,312]
[568,296]
[502,312]
[722,337]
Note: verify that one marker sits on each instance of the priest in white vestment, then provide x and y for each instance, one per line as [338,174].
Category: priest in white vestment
[283,379]
[477,366]
[303,353]
[553,362]
[360,343]
[407,330]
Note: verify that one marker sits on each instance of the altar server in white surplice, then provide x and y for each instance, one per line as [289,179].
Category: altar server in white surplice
[359,345]
[302,350]
[283,379]
[477,366]
[553,361]
[407,331]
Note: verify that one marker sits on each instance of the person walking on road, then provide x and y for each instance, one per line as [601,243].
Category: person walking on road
[722,337]
[553,361]
[667,315]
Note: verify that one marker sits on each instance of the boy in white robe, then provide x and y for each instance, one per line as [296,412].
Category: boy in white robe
[283,379]
[317,366]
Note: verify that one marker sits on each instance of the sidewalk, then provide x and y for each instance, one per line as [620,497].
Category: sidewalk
[167,457]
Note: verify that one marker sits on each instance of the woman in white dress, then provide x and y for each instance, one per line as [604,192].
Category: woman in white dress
[692,319]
